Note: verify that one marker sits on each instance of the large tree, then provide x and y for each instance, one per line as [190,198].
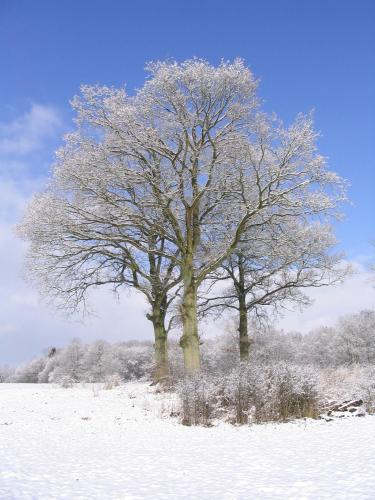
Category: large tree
[190,159]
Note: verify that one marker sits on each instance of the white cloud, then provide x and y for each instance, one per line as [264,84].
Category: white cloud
[14,196]
[25,153]
[27,133]
[355,294]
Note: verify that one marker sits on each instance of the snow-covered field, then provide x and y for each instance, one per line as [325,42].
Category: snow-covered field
[85,443]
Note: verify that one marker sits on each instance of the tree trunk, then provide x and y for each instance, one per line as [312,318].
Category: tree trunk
[242,328]
[243,331]
[190,338]
[161,353]
[161,342]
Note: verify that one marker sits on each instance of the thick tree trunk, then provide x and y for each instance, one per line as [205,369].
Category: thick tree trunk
[161,353]
[243,329]
[161,342]
[190,338]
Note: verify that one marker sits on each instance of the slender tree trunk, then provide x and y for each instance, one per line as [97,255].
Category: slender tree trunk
[190,338]
[242,328]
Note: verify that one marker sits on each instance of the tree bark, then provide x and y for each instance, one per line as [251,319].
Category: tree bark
[161,342]
[190,338]
[242,328]
[161,353]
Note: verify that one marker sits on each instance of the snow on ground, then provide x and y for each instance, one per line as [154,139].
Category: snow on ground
[85,443]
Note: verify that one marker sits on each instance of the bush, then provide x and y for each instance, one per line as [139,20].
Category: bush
[262,393]
[66,381]
[250,393]
[368,390]
[198,397]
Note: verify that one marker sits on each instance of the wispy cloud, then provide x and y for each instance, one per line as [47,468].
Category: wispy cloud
[26,147]
[27,133]
[355,294]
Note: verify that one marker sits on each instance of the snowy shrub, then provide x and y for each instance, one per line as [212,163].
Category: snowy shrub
[263,392]
[220,354]
[198,395]
[294,390]
[238,393]
[60,376]
[368,389]
[250,393]
[66,381]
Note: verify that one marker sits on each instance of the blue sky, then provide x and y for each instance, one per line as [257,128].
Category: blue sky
[308,54]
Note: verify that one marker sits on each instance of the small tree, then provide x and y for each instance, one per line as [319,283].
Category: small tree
[271,268]
[70,368]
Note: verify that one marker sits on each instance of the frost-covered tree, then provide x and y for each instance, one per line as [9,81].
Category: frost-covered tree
[319,347]
[271,269]
[350,341]
[132,361]
[52,357]
[75,248]
[28,372]
[69,366]
[189,161]
[6,374]
[97,361]
[355,338]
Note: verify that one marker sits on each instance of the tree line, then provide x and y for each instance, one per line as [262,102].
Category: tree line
[350,342]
